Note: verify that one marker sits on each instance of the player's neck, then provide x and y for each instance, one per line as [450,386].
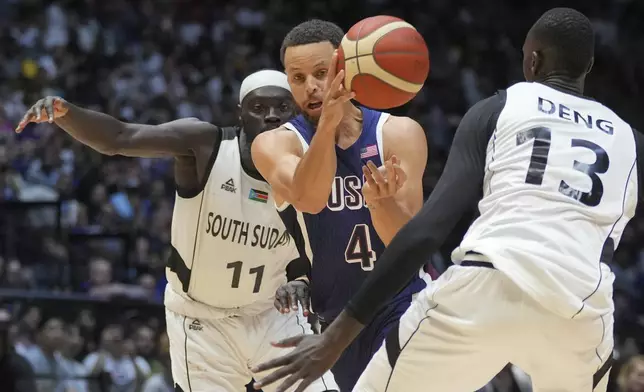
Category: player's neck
[564,83]
[350,127]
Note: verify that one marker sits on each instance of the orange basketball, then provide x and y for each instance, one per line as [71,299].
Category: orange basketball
[386,61]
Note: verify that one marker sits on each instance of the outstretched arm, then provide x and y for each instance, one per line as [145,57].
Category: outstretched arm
[302,179]
[110,136]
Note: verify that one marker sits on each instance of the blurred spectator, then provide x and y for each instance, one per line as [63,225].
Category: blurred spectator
[161,381]
[631,377]
[100,282]
[145,344]
[74,371]
[15,276]
[115,358]
[16,373]
[42,357]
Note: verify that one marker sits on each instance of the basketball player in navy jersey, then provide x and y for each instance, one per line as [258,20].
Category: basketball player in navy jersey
[219,304]
[350,176]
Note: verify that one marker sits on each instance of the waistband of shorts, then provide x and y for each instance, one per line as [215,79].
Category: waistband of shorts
[184,306]
[475,259]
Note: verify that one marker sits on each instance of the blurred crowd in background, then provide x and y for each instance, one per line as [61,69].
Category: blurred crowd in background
[80,232]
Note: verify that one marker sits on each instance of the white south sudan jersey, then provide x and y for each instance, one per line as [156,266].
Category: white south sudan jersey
[560,186]
[230,247]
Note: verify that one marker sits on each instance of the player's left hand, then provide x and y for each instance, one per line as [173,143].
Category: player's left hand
[313,356]
[289,294]
[384,181]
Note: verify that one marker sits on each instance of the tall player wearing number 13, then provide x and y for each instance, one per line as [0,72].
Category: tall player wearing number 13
[327,163]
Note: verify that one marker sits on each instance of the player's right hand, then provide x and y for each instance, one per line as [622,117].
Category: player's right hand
[335,96]
[45,110]
[289,294]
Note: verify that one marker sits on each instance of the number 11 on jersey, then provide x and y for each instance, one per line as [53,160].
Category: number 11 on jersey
[359,248]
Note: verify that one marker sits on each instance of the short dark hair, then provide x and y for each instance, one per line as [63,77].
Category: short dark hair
[569,34]
[312,32]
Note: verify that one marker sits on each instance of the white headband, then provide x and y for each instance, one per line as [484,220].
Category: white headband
[263,78]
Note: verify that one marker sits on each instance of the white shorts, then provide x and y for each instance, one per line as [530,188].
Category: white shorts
[461,331]
[216,355]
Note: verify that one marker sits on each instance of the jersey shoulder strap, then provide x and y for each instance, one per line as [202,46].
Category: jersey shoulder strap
[224,134]
[227,133]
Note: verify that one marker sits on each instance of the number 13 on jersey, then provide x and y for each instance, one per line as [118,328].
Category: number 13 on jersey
[359,249]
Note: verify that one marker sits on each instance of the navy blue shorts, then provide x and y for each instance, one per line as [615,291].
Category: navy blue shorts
[355,358]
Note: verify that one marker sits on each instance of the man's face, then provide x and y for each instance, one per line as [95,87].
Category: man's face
[53,334]
[100,272]
[307,68]
[145,341]
[112,339]
[75,340]
[266,108]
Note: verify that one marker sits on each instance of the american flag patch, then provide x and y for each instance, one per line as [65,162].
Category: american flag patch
[368,151]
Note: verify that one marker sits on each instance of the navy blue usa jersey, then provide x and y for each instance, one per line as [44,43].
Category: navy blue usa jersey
[341,240]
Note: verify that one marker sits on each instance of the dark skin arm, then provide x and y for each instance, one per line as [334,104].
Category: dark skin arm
[110,136]
[189,140]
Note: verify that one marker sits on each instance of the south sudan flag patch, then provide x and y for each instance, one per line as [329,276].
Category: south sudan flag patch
[259,196]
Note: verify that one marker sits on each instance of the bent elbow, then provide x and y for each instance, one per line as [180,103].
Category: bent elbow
[308,205]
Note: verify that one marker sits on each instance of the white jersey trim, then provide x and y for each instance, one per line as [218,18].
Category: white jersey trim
[379,126]
[291,127]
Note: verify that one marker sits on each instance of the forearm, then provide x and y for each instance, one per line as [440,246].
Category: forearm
[343,330]
[388,218]
[96,130]
[314,174]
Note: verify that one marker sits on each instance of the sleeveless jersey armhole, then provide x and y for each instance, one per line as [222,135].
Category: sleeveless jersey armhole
[305,146]
[225,133]
[379,135]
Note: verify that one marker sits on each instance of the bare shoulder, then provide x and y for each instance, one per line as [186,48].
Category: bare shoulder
[403,134]
[405,127]
[279,140]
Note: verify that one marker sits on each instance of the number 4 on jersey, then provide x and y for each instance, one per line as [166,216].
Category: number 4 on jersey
[359,248]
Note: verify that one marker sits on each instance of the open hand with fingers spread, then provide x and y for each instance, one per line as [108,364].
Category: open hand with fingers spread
[45,110]
[312,357]
[384,181]
[290,294]
[335,96]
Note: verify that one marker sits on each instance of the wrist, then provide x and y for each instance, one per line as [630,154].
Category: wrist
[304,279]
[384,202]
[343,330]
[326,127]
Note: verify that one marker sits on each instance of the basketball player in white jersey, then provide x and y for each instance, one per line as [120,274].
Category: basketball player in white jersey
[560,176]
[230,249]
